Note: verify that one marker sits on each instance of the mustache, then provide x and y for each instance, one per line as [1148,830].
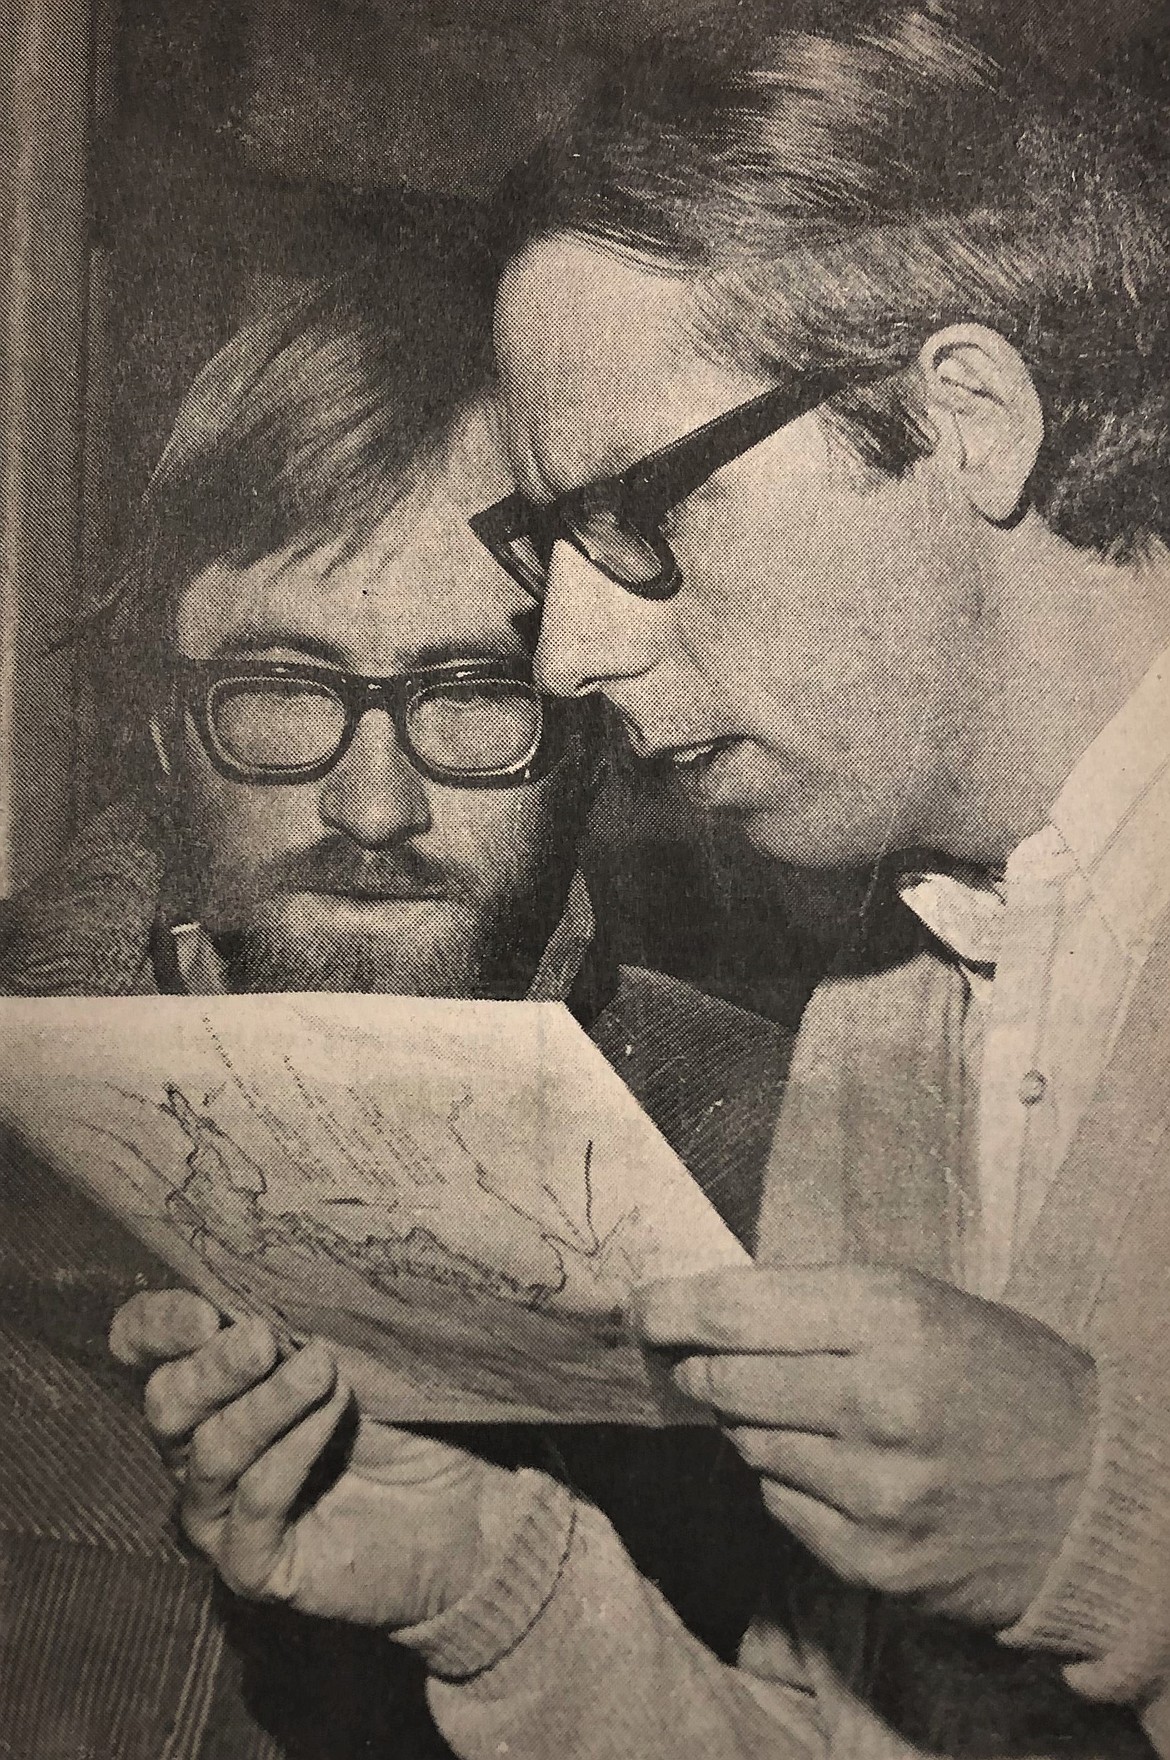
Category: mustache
[337,865]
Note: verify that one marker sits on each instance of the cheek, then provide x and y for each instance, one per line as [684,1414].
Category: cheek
[502,836]
[803,609]
[232,830]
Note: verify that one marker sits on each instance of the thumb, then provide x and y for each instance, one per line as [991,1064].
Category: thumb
[259,1553]
[157,1325]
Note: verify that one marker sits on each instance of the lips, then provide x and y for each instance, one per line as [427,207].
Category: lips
[695,759]
[336,869]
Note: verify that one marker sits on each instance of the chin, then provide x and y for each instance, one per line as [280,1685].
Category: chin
[426,947]
[814,837]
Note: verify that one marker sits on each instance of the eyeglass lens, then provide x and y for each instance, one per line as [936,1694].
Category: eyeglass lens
[476,727]
[621,551]
[270,724]
[617,548]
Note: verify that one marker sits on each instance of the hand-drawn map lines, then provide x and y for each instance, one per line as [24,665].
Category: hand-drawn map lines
[220,1199]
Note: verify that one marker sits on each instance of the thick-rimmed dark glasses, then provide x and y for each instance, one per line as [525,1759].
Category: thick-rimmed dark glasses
[475,724]
[617,522]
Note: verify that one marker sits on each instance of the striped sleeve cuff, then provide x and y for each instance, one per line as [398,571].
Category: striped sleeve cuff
[502,1607]
[1104,1601]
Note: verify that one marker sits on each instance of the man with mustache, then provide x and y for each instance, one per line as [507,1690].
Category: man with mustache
[841,420]
[343,778]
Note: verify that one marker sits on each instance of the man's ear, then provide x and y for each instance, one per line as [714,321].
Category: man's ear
[978,388]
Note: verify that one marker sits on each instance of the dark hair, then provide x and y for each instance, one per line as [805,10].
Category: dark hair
[306,428]
[856,189]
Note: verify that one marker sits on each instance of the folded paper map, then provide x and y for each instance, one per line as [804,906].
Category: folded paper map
[460,1196]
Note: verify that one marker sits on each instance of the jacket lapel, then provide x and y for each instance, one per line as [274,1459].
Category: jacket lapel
[866,1163]
[1115,1170]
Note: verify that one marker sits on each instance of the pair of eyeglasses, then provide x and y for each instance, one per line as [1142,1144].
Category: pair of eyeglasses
[617,522]
[481,724]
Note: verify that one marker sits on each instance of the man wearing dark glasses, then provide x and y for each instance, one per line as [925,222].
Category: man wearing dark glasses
[839,417]
[351,782]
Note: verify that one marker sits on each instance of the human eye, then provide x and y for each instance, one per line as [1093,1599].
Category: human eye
[268,722]
[477,726]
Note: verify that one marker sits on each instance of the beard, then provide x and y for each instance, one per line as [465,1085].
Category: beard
[388,922]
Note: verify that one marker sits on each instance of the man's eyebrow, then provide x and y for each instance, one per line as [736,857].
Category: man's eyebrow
[414,659]
[291,640]
[452,654]
[539,468]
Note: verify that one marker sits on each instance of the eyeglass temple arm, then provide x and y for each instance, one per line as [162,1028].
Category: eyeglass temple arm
[717,442]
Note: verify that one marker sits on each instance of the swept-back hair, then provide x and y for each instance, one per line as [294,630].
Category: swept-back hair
[304,429]
[860,186]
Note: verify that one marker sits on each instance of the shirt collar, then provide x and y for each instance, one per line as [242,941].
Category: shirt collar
[190,962]
[1128,755]
[1101,823]
[963,909]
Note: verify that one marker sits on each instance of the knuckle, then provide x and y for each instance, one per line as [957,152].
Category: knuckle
[253,1499]
[886,1567]
[895,1409]
[756,1446]
[730,1307]
[836,1546]
[902,1493]
[776,1503]
[898,1306]
[248,1347]
[156,1324]
[125,1331]
[198,1530]
[162,1407]
[889,1285]
[238,1573]
[882,1498]
[847,1562]
[697,1378]
[190,1381]
[208,1457]
[718,1318]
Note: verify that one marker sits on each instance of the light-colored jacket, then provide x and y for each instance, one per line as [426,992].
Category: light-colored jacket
[581,1656]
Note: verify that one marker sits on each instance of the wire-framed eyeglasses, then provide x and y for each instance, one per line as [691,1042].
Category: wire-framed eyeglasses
[617,522]
[474,724]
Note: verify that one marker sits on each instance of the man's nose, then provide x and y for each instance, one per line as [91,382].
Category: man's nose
[375,795]
[592,630]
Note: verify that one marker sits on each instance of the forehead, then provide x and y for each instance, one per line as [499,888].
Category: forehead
[598,363]
[420,584]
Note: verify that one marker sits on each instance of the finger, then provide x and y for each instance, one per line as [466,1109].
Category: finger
[828,1533]
[814,1393]
[159,1324]
[185,1393]
[874,1487]
[889,1562]
[757,1309]
[258,1547]
[230,1442]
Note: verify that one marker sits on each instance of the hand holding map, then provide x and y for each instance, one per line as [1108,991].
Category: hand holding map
[460,1196]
